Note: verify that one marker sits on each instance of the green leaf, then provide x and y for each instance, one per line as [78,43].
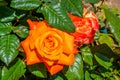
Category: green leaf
[105,38]
[3,3]
[116,77]
[38,70]
[21,31]
[87,55]
[96,77]
[15,71]
[92,1]
[8,48]
[6,14]
[75,71]
[58,76]
[104,50]
[5,28]
[3,72]
[87,75]
[20,14]
[25,4]
[103,60]
[114,22]
[74,7]
[58,17]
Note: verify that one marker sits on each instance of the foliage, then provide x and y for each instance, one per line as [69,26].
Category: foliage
[99,60]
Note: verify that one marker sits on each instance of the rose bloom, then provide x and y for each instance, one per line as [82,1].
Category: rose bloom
[85,28]
[51,46]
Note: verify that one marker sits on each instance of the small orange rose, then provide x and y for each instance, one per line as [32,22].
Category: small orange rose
[51,46]
[85,28]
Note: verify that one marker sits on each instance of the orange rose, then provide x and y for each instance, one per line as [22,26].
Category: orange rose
[85,28]
[51,46]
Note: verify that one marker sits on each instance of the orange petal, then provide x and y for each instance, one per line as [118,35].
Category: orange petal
[68,46]
[67,60]
[54,69]
[32,24]
[31,56]
[48,62]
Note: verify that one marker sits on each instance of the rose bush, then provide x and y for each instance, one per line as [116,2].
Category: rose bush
[51,46]
[86,28]
[45,50]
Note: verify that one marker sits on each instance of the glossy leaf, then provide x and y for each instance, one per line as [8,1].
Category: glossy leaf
[57,16]
[103,60]
[87,75]
[15,71]
[6,14]
[8,48]
[25,4]
[21,31]
[38,70]
[5,28]
[114,22]
[74,7]
[3,72]
[92,1]
[87,55]
[75,71]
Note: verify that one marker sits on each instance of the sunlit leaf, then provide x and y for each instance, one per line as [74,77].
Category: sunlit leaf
[104,38]
[75,72]
[8,48]
[3,71]
[114,24]
[87,75]
[15,71]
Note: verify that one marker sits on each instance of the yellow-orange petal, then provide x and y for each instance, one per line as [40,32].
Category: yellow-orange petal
[34,34]
[67,60]
[55,69]
[31,56]
[68,46]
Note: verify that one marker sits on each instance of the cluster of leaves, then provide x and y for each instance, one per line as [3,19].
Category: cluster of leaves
[97,61]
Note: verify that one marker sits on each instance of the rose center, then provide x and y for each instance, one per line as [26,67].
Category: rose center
[49,42]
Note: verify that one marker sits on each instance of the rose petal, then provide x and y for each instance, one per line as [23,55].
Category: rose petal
[41,28]
[67,60]
[32,24]
[31,56]
[68,46]
[54,69]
